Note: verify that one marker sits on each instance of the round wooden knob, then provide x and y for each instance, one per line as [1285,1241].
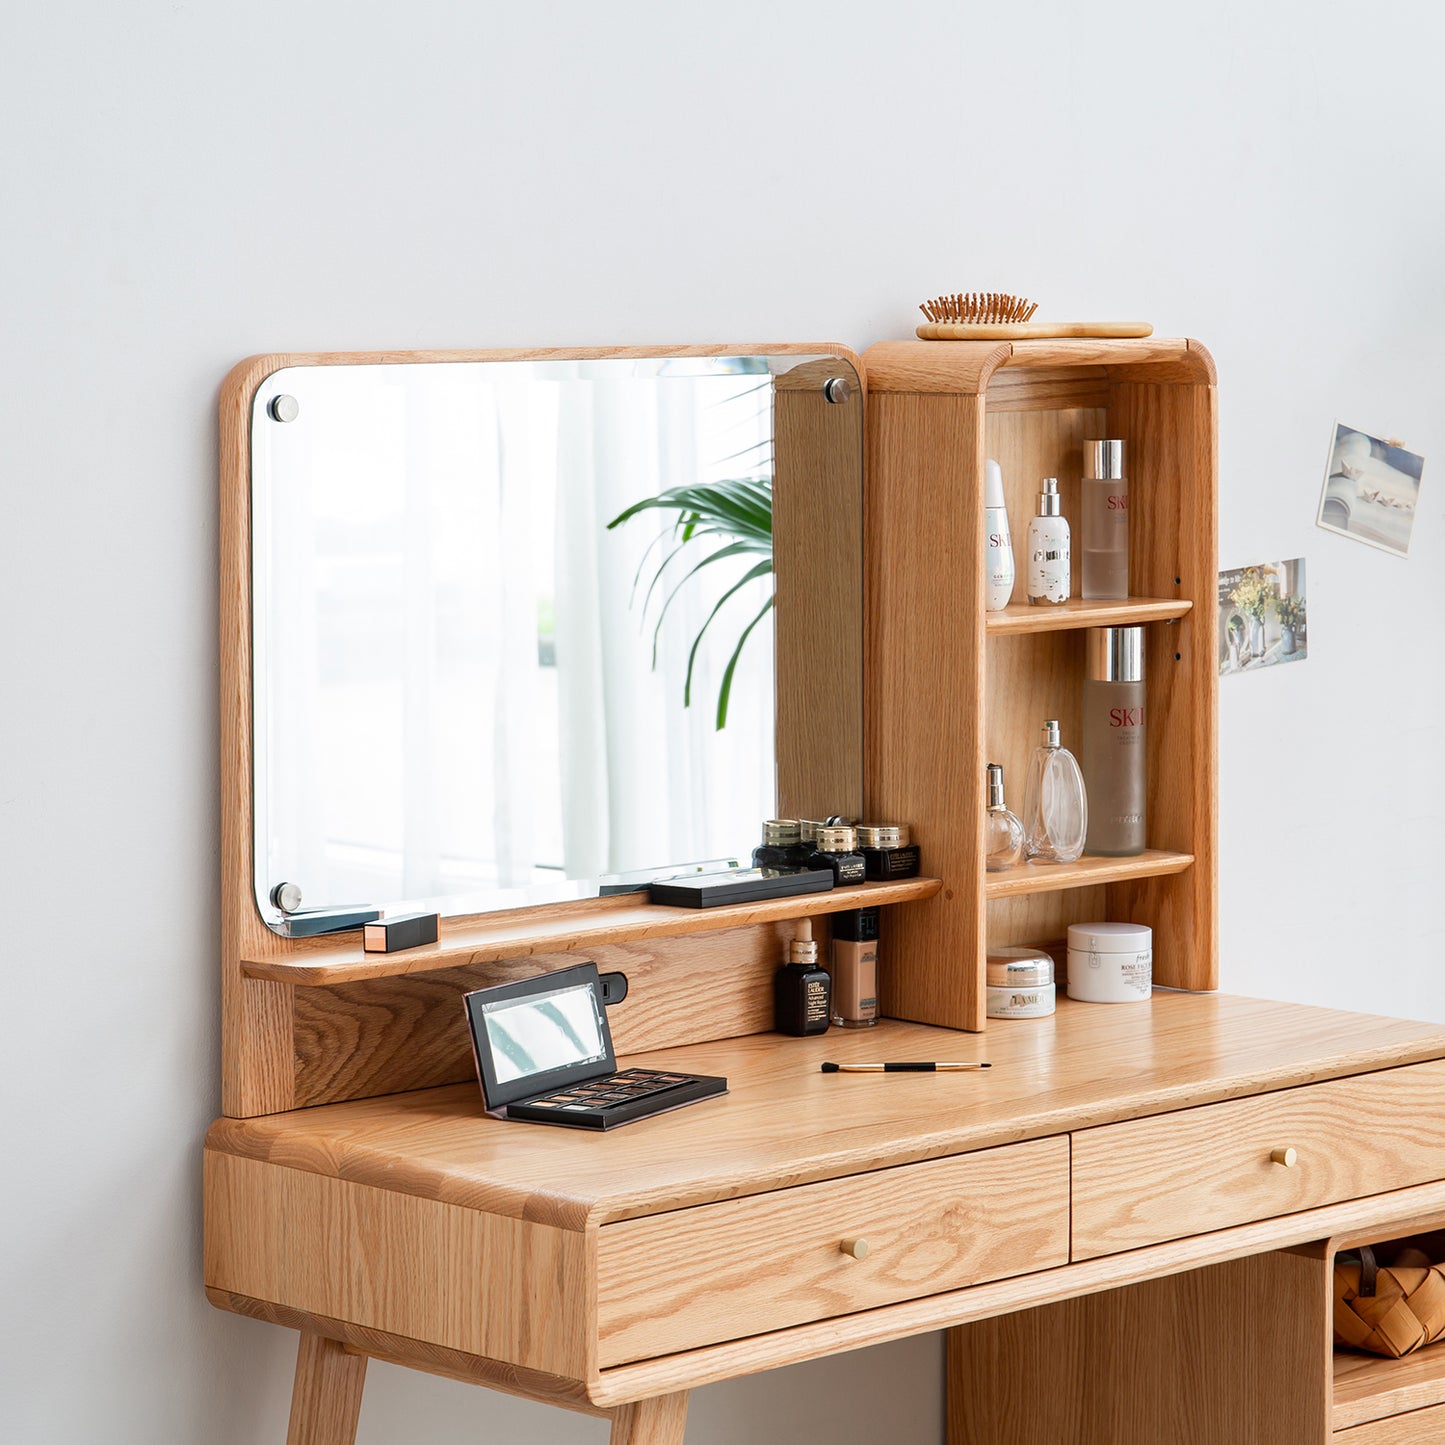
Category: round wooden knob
[1287,1157]
[854,1248]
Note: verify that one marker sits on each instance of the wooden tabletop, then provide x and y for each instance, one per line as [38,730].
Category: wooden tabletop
[784,1122]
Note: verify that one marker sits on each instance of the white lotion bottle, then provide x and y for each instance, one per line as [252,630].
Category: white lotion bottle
[1048,550]
[998,549]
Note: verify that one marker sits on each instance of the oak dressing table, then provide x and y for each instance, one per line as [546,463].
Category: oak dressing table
[1093,1220]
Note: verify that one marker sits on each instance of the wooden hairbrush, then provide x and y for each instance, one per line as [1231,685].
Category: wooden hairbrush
[996,316]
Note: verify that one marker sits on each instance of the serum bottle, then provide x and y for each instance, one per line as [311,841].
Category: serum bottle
[998,547]
[802,989]
[1114,747]
[1048,550]
[1106,521]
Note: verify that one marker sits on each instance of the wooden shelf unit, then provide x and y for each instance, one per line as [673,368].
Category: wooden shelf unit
[558,928]
[950,687]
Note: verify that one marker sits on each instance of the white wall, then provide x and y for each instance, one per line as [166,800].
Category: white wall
[185,184]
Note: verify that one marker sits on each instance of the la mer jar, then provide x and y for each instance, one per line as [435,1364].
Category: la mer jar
[1111,962]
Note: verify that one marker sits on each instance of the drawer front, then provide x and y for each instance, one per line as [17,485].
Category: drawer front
[721,1271]
[1149,1180]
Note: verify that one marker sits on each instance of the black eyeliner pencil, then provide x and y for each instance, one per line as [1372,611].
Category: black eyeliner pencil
[899,1068]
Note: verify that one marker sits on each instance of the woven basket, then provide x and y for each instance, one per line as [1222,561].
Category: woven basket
[1389,1311]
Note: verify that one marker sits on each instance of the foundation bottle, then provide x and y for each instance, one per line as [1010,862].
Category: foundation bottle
[1114,740]
[855,968]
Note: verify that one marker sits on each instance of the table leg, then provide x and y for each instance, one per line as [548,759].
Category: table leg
[660,1421]
[326,1398]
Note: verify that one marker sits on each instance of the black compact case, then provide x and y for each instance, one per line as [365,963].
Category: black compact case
[543,1051]
[738,885]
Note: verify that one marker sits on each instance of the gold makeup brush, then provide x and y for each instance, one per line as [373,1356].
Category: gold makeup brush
[997,316]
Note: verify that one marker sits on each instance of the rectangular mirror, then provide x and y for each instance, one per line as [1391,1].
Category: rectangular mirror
[528,630]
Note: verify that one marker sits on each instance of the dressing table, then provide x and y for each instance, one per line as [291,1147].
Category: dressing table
[1126,1225]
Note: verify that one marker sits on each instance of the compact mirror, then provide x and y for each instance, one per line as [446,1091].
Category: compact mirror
[526,631]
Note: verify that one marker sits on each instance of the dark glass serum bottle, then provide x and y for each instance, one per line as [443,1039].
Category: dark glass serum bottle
[802,989]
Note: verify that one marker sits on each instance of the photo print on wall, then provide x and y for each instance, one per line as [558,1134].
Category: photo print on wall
[1371,490]
[1262,616]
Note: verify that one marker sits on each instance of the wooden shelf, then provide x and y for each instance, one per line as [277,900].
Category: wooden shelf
[556,929]
[1116,612]
[1369,1387]
[1088,871]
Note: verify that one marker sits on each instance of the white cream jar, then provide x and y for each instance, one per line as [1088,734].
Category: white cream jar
[1111,962]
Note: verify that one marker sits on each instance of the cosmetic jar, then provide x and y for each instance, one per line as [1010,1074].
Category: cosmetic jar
[1019,984]
[1111,962]
[887,851]
[835,850]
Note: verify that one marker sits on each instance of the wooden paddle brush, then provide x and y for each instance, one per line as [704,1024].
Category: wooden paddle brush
[997,316]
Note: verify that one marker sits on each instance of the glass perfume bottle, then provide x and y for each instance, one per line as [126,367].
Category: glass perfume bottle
[1003,844]
[1056,809]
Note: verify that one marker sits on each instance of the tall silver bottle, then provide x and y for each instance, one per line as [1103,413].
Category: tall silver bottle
[1106,521]
[1114,740]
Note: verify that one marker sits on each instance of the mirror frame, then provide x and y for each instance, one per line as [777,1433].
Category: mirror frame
[812,636]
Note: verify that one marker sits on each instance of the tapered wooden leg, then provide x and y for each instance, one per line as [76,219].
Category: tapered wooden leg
[651,1422]
[326,1398]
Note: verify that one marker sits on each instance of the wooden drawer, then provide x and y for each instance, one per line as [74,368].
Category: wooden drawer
[671,1282]
[1161,1178]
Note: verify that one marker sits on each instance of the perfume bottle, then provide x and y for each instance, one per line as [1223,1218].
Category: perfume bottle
[1048,550]
[855,968]
[1114,739]
[998,548]
[1106,521]
[802,989]
[1003,844]
[1056,809]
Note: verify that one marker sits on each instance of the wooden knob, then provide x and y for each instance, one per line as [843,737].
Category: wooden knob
[854,1248]
[1287,1157]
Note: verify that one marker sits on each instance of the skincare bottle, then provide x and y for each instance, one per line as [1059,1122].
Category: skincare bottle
[1106,521]
[1056,810]
[1048,550]
[855,968]
[1003,833]
[998,548]
[835,850]
[802,990]
[887,852]
[781,850]
[1114,740]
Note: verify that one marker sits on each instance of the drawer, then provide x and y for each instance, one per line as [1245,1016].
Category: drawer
[1161,1178]
[716,1272]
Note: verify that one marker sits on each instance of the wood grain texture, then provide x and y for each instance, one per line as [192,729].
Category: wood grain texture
[1228,1355]
[818,580]
[326,1395]
[923,678]
[1419,1427]
[676,1281]
[417,1354]
[557,928]
[968,367]
[1368,1387]
[784,1123]
[1087,872]
[481,1283]
[1145,1181]
[257,1051]
[1077,612]
[1173,468]
[1029,330]
[869,1327]
[659,1421]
